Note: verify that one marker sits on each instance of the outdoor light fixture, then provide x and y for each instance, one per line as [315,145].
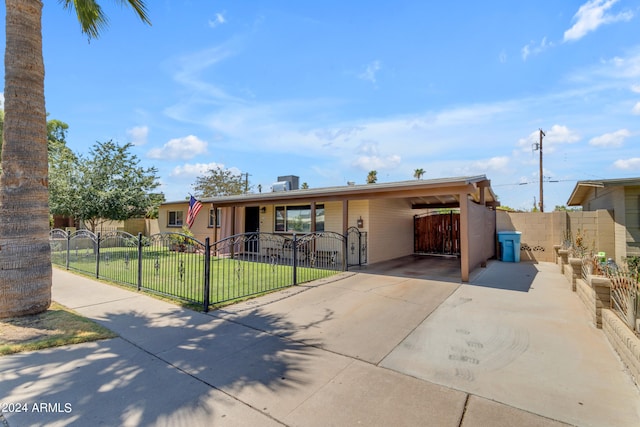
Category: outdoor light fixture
[263,209]
[360,222]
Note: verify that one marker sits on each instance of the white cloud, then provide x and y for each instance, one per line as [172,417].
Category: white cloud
[370,158]
[636,109]
[635,88]
[555,136]
[592,15]
[503,57]
[628,164]
[219,19]
[494,164]
[183,148]
[138,135]
[614,139]
[561,135]
[369,73]
[534,49]
[194,169]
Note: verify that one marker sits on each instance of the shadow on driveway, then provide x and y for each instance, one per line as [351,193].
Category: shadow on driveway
[509,276]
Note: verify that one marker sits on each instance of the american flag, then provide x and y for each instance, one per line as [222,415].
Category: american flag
[194,208]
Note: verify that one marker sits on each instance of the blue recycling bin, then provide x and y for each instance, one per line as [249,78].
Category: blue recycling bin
[509,245]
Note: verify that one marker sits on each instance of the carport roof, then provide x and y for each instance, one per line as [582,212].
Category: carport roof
[427,193]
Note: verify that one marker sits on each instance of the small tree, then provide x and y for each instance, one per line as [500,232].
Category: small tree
[220,182]
[417,174]
[110,185]
[372,177]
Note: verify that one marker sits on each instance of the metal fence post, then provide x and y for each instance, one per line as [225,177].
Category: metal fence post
[98,257]
[68,248]
[207,274]
[359,249]
[295,259]
[139,261]
[345,252]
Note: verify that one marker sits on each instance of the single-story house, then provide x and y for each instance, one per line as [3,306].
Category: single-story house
[622,198]
[387,212]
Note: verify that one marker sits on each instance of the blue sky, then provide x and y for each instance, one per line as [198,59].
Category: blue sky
[331,90]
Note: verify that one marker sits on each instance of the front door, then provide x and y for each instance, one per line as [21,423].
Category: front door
[252,225]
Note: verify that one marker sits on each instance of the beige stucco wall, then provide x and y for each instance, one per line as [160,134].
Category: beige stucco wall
[390,229]
[482,231]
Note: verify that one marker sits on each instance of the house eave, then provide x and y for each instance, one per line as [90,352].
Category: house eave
[420,191]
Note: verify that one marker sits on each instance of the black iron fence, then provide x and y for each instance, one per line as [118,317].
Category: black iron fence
[205,273]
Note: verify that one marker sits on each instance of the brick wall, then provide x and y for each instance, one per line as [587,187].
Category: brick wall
[541,231]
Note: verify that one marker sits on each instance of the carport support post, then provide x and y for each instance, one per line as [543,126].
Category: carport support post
[464,237]
[345,216]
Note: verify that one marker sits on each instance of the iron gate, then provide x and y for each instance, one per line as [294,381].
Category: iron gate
[356,247]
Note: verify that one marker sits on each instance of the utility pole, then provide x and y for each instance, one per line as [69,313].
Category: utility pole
[246,182]
[538,146]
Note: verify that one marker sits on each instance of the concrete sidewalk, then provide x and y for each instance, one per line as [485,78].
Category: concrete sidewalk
[362,349]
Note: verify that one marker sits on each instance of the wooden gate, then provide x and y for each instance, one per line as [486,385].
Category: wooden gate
[437,233]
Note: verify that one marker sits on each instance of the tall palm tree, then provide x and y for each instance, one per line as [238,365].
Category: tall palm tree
[372,177]
[417,174]
[25,259]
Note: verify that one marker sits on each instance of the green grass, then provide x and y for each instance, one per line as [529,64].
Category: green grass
[181,274]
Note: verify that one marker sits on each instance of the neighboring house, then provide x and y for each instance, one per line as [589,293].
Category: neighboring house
[622,198]
[386,211]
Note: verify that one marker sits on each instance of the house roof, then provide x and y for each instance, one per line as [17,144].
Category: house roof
[582,189]
[441,192]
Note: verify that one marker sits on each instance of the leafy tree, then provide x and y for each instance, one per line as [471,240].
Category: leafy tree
[110,185]
[156,200]
[506,208]
[219,182]
[304,186]
[563,208]
[372,177]
[25,256]
[63,170]
[417,174]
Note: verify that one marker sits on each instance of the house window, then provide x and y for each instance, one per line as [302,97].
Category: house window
[214,217]
[298,218]
[175,219]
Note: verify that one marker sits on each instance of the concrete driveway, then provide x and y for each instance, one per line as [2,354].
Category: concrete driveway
[516,334]
[515,347]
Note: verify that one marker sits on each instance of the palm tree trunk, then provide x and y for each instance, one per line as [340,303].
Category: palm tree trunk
[25,259]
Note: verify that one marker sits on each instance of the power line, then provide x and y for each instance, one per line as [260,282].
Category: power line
[532,182]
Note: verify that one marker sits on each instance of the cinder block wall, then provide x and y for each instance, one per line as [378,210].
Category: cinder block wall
[541,231]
